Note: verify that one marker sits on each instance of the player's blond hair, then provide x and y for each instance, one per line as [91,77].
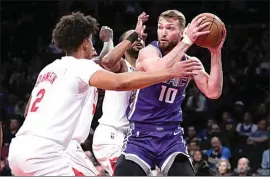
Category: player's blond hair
[176,15]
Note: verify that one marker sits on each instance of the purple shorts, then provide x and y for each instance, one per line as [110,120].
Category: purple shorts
[151,145]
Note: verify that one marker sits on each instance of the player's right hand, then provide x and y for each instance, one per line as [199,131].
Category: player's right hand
[186,69]
[106,33]
[219,47]
[140,28]
[193,30]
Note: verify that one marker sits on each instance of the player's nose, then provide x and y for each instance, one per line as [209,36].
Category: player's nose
[164,32]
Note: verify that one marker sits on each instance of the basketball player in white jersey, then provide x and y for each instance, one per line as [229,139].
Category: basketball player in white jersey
[109,135]
[80,161]
[60,94]
[113,125]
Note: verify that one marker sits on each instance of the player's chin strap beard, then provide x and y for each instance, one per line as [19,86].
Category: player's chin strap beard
[132,53]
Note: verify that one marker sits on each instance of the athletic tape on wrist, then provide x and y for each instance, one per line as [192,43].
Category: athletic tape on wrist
[133,37]
[186,40]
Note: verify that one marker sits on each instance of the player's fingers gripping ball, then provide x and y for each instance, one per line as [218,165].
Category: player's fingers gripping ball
[216,28]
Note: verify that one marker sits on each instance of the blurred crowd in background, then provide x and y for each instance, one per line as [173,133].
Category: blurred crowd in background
[228,136]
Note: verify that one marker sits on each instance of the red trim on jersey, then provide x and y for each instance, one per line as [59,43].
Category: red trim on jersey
[27,107]
[113,163]
[77,173]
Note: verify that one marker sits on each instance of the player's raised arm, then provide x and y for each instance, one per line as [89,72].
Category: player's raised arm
[211,85]
[111,61]
[106,35]
[169,29]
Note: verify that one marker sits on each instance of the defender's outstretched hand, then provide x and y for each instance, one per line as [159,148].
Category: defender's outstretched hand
[140,28]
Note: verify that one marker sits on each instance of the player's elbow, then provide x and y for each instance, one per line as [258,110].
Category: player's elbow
[105,62]
[213,94]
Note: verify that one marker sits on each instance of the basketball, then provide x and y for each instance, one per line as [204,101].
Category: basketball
[216,28]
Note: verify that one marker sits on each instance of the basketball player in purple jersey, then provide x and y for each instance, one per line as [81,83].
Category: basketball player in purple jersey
[154,114]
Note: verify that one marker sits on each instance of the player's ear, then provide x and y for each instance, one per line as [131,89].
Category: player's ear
[144,36]
[86,43]
[181,33]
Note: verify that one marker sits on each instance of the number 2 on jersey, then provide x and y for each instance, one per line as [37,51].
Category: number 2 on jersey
[38,99]
[167,95]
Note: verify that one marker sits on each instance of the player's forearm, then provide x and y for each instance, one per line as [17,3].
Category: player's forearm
[176,54]
[215,82]
[107,46]
[115,55]
[137,80]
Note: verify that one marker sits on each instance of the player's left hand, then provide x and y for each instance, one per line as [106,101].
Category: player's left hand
[106,33]
[219,47]
[140,28]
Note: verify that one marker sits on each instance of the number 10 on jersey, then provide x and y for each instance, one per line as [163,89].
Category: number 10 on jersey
[167,94]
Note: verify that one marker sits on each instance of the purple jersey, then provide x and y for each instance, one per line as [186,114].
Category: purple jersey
[158,103]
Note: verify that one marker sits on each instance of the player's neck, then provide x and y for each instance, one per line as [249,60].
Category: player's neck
[77,55]
[130,59]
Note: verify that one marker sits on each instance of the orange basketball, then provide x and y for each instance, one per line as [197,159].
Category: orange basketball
[216,29]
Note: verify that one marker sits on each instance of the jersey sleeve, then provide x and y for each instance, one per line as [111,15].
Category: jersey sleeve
[85,69]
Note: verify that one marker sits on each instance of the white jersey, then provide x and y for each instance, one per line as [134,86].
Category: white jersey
[82,129]
[114,107]
[58,99]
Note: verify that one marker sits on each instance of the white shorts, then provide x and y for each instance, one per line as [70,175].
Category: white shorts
[79,159]
[107,146]
[36,156]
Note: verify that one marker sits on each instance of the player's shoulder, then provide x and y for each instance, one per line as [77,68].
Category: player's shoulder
[77,64]
[72,60]
[51,65]
[84,61]
[149,51]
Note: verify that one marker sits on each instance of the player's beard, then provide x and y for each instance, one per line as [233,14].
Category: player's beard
[168,47]
[133,53]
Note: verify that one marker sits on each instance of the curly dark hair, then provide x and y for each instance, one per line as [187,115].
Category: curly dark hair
[72,30]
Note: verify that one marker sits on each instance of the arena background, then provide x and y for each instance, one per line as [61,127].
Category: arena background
[26,28]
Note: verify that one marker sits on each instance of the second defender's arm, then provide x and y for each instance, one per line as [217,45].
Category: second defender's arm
[111,61]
